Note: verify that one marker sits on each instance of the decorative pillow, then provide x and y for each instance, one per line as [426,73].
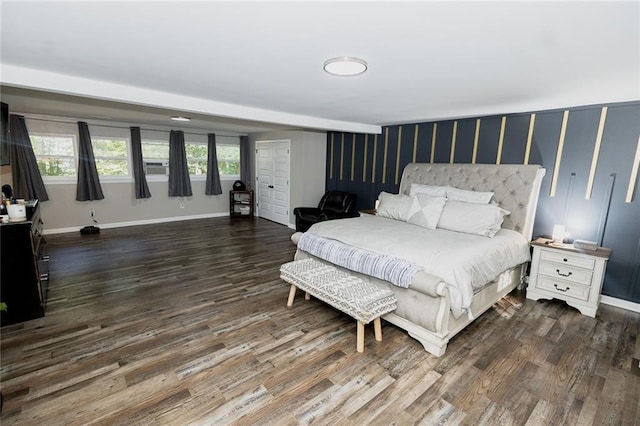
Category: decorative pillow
[425,211]
[394,206]
[472,218]
[430,190]
[467,196]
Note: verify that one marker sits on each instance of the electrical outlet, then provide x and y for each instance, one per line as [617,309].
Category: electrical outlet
[181,205]
[92,213]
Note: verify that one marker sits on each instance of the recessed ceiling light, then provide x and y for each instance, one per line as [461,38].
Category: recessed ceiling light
[180,118]
[345,66]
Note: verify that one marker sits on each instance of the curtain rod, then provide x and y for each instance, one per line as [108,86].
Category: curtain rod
[118,127]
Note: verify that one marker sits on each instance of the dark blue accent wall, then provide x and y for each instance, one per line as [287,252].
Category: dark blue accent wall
[369,164]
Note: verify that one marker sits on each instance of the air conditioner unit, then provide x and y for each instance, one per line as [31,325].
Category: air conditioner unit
[156,168]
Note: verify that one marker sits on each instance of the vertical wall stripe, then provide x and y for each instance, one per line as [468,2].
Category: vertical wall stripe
[353,156]
[475,142]
[415,143]
[331,158]
[384,158]
[556,167]
[341,156]
[373,164]
[398,153]
[501,139]
[453,142]
[596,153]
[364,159]
[433,141]
[527,151]
[634,174]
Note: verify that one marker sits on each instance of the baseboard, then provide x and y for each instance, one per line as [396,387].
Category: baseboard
[619,303]
[136,223]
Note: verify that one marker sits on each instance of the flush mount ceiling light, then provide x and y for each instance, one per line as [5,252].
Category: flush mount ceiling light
[345,66]
[180,118]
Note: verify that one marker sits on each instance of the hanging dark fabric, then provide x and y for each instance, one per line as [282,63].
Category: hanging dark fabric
[214,187]
[88,187]
[27,180]
[245,168]
[179,182]
[139,177]
[4,134]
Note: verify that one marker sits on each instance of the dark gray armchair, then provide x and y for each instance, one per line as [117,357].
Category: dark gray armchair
[333,205]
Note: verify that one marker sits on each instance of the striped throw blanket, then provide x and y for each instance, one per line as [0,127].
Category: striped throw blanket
[397,271]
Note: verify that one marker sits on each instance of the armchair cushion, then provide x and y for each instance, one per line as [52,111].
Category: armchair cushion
[333,205]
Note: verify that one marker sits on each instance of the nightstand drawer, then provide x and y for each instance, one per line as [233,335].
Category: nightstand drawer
[567,259]
[564,288]
[565,272]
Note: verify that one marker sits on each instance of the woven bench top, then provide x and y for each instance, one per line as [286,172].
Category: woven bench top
[364,301]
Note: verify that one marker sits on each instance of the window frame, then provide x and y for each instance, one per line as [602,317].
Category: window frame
[59,179]
[221,143]
[114,178]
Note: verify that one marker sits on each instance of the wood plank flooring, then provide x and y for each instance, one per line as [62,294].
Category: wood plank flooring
[186,323]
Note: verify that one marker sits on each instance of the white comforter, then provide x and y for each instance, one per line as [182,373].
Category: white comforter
[464,262]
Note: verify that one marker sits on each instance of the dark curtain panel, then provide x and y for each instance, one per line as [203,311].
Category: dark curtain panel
[179,182]
[27,180]
[88,187]
[245,175]
[4,134]
[139,178]
[214,187]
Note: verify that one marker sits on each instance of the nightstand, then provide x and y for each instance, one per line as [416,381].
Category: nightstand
[566,273]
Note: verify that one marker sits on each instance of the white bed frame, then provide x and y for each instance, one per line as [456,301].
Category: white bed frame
[428,317]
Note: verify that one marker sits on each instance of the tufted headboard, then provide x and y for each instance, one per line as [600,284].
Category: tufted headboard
[515,186]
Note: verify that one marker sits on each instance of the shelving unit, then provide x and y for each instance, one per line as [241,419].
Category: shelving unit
[241,203]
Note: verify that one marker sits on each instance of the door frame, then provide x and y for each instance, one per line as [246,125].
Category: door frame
[259,143]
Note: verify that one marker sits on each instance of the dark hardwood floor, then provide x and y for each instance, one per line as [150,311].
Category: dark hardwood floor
[186,323]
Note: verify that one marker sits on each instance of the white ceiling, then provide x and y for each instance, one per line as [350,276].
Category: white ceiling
[252,66]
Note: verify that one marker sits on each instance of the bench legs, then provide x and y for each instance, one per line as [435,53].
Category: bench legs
[292,295]
[377,326]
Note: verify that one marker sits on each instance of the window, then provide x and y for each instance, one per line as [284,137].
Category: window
[55,155]
[196,158]
[155,151]
[228,156]
[228,159]
[111,156]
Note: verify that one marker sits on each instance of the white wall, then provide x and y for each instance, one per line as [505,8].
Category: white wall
[120,207]
[307,166]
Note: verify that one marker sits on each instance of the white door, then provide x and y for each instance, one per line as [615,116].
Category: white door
[272,180]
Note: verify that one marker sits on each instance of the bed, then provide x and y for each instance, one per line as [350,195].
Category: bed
[443,277]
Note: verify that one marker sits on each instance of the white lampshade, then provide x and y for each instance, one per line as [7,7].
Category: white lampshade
[558,234]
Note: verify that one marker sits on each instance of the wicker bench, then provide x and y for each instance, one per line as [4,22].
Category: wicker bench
[357,298]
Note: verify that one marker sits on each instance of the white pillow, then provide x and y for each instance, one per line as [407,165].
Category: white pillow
[467,196]
[430,190]
[425,211]
[394,206]
[472,218]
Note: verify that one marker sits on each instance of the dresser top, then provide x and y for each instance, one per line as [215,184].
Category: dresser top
[548,243]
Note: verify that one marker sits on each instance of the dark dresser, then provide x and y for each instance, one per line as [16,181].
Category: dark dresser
[25,268]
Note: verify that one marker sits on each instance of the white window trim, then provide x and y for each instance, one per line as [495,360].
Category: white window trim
[129,176]
[61,180]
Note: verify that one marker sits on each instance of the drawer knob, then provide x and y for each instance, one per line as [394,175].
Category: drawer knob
[568,274]
[560,289]
[565,259]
